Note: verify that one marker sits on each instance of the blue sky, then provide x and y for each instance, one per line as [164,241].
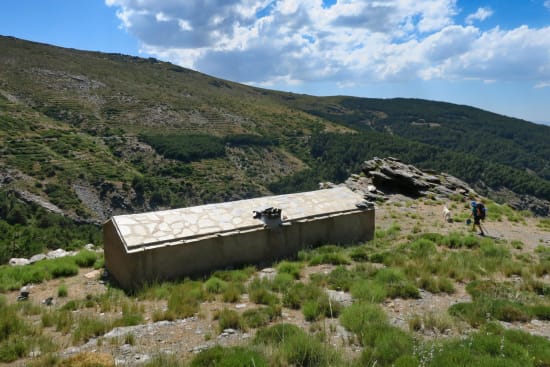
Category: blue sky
[490,54]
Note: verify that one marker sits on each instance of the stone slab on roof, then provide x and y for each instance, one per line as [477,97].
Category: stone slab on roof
[152,228]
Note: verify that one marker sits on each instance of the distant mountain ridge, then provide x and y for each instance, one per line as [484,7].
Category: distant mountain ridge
[98,134]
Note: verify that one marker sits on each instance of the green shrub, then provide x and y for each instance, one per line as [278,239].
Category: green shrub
[415,323]
[13,348]
[396,284]
[277,334]
[85,258]
[541,312]
[215,285]
[360,316]
[261,316]
[379,257]
[228,357]
[235,275]
[329,258]
[164,360]
[299,293]
[422,248]
[369,291]
[439,322]
[63,267]
[386,346]
[435,284]
[88,327]
[485,309]
[255,318]
[486,349]
[537,347]
[184,301]
[131,315]
[282,282]
[258,292]
[359,254]
[311,310]
[303,350]
[262,296]
[63,320]
[544,223]
[47,319]
[294,297]
[186,148]
[62,291]
[340,279]
[232,293]
[10,322]
[436,238]
[292,268]
[230,319]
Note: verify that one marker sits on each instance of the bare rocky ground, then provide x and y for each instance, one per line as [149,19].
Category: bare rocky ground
[187,337]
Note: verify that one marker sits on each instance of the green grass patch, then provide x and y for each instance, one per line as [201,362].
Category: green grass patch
[185,299]
[229,357]
[369,291]
[259,291]
[294,347]
[215,285]
[14,277]
[544,224]
[262,316]
[62,291]
[396,283]
[229,319]
[292,268]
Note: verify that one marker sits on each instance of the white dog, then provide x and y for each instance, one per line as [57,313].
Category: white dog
[447,217]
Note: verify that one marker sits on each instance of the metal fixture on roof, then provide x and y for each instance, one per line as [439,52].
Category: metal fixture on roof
[270,216]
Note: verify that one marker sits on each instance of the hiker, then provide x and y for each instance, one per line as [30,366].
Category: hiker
[478,213]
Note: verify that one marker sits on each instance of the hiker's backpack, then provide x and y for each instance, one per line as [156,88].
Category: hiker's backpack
[480,210]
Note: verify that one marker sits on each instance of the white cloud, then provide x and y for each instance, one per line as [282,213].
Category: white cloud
[480,15]
[353,42]
[547,4]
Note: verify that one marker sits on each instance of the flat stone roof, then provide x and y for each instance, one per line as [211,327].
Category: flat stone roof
[183,224]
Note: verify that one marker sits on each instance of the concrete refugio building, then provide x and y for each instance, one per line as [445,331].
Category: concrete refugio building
[171,244]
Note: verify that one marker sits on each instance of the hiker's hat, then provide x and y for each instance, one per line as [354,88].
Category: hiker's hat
[474,203]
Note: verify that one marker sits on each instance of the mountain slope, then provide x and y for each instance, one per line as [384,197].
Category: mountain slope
[97,134]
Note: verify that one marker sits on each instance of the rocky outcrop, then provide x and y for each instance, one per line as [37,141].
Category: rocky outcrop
[382,177]
[537,206]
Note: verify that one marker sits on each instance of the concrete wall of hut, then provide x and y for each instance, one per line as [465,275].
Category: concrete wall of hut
[255,246]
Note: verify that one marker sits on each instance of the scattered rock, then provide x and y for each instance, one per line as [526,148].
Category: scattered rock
[55,254]
[24,293]
[19,261]
[268,273]
[36,258]
[94,274]
[340,296]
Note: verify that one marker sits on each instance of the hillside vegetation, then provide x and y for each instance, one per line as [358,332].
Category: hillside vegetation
[423,292]
[90,134]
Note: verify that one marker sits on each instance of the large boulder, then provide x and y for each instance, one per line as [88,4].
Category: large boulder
[392,176]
